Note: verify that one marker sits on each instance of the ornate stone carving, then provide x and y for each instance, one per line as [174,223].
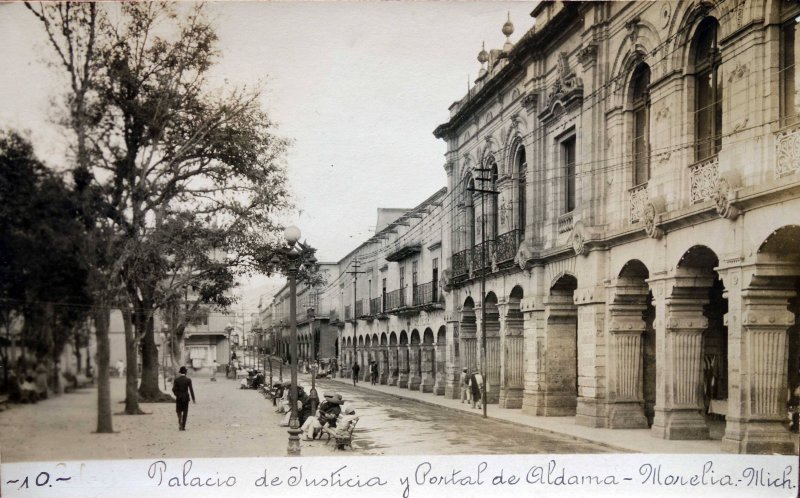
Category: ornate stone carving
[704,177]
[665,14]
[579,239]
[723,196]
[788,143]
[565,223]
[650,223]
[567,89]
[530,102]
[638,200]
[631,27]
[587,55]
[524,253]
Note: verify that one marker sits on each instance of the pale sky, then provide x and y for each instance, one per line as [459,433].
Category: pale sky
[359,87]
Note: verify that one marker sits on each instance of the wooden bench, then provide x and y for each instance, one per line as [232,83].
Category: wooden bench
[346,438]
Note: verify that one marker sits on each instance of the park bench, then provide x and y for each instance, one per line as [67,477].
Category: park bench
[342,439]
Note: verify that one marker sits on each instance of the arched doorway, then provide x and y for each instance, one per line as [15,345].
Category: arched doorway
[692,403]
[631,350]
[513,365]
[766,369]
[492,332]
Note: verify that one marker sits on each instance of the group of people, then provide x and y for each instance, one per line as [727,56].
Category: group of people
[471,387]
[330,418]
[27,385]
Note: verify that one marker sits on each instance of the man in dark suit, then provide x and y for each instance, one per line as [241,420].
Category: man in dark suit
[182,388]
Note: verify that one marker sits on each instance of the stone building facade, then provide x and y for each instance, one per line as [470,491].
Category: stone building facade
[625,177]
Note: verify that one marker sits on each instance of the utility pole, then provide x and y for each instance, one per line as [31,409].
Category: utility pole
[355,273]
[483,191]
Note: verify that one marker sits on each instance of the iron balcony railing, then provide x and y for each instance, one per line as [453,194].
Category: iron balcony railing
[395,299]
[424,294]
[506,246]
[460,263]
[359,308]
[478,253]
[375,306]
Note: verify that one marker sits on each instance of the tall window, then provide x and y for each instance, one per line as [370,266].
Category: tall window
[402,286]
[790,51]
[522,168]
[414,274]
[470,213]
[435,279]
[493,203]
[708,91]
[640,101]
[568,158]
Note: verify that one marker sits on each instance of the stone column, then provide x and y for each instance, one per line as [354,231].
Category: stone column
[560,357]
[512,345]
[393,366]
[414,377]
[402,380]
[625,395]
[454,354]
[384,365]
[441,369]
[757,322]
[678,412]
[427,373]
[533,397]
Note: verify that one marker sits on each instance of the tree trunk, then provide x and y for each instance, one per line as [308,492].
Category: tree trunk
[78,358]
[148,389]
[101,324]
[131,397]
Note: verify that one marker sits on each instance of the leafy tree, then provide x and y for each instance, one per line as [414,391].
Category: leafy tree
[154,141]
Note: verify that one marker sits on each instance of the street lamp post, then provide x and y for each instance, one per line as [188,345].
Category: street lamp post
[297,255]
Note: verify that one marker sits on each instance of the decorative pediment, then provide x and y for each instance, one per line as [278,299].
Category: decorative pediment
[566,92]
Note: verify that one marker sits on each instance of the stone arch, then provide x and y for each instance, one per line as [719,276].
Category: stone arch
[468,335]
[427,362]
[694,396]
[384,339]
[394,360]
[392,338]
[684,30]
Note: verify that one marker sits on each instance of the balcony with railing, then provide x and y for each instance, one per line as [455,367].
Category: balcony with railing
[482,253]
[506,246]
[424,294]
[375,307]
[460,263]
[395,299]
[360,308]
[703,177]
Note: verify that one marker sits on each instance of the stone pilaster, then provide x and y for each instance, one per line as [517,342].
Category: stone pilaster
[591,407]
[453,358]
[559,382]
[402,380]
[757,322]
[512,344]
[393,366]
[426,366]
[678,411]
[414,377]
[533,313]
[626,327]
[383,378]
[440,368]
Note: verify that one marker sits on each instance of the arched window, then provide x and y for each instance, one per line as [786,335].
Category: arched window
[640,105]
[521,166]
[708,91]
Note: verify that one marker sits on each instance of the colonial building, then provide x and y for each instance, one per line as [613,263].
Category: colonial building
[625,177]
[387,300]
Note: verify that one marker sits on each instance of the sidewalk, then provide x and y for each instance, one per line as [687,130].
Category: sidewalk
[623,440]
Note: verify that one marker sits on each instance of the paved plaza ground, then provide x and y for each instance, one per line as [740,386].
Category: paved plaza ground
[229,422]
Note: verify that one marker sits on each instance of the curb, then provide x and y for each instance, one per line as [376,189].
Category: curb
[579,439]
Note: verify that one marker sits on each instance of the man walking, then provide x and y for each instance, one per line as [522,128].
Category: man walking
[182,388]
[356,369]
[374,373]
[464,383]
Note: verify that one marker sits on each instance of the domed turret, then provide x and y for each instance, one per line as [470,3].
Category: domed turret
[508,30]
